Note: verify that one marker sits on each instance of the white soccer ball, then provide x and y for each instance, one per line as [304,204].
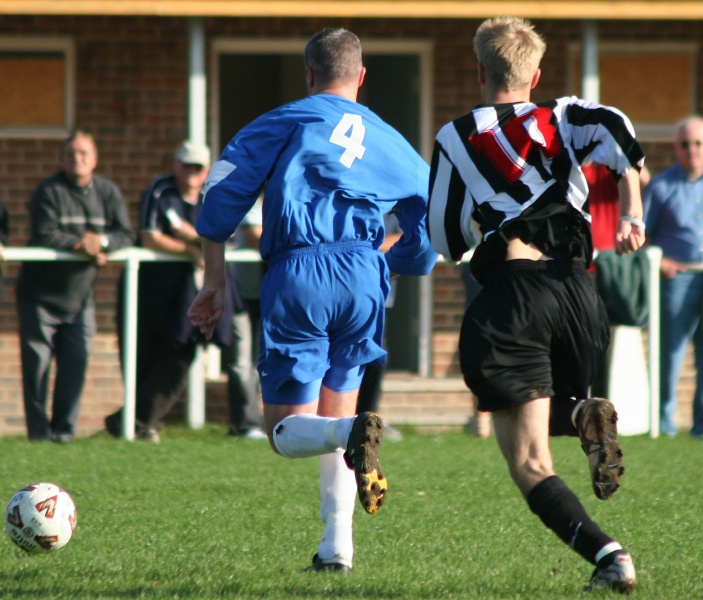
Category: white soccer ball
[41,517]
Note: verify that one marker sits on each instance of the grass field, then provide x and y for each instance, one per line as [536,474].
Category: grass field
[203,516]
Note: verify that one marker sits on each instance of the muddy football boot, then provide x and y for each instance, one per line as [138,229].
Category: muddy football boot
[597,429]
[362,457]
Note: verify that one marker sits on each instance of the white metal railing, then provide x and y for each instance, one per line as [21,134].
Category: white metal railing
[132,257]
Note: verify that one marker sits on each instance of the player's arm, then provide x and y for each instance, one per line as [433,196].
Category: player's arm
[208,306]
[449,235]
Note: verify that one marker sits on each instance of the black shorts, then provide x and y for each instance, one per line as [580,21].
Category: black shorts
[537,329]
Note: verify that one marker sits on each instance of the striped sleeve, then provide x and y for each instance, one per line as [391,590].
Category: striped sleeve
[607,133]
[450,205]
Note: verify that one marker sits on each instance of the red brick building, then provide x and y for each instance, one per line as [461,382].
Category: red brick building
[143,75]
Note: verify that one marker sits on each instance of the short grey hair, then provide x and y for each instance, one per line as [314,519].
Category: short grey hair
[334,55]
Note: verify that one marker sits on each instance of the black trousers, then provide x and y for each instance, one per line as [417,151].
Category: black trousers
[47,335]
[162,366]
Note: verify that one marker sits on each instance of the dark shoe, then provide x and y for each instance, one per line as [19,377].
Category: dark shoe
[148,434]
[318,565]
[113,424]
[62,438]
[597,429]
[619,575]
[362,457]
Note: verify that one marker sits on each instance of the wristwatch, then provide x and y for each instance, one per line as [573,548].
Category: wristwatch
[104,242]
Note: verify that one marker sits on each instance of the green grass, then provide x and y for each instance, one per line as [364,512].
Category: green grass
[203,516]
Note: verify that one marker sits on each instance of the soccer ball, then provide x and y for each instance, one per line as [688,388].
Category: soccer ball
[41,517]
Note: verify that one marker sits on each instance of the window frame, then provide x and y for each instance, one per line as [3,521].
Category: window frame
[424,49]
[58,44]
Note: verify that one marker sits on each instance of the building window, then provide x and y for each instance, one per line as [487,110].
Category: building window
[38,89]
[653,84]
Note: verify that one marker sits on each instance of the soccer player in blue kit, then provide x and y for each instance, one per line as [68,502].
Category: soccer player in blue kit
[333,169]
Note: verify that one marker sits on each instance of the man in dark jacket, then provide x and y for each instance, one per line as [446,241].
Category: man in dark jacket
[72,210]
[166,339]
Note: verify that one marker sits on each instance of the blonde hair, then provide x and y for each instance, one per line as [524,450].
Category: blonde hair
[510,50]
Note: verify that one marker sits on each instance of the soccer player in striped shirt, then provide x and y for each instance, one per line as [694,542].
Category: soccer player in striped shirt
[533,338]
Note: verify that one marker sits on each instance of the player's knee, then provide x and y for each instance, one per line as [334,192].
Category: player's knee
[530,473]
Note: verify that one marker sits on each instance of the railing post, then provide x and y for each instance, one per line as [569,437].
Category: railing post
[129,333]
[654,254]
[196,390]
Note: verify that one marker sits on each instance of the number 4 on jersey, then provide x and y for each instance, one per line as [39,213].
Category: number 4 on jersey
[349,134]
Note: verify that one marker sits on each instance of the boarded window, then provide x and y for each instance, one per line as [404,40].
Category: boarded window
[653,84]
[37,85]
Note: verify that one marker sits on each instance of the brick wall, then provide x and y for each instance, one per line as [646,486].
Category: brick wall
[131,91]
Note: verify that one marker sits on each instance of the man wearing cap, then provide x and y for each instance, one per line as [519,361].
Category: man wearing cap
[74,209]
[166,340]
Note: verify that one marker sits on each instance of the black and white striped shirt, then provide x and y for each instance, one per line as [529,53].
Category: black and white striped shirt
[516,168]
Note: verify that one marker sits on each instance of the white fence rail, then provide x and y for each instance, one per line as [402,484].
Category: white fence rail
[133,257]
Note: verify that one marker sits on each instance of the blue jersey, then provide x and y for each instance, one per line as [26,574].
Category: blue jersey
[321,157]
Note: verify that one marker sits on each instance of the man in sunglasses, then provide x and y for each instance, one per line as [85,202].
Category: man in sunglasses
[673,213]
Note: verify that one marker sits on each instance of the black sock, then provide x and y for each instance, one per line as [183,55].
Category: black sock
[560,417]
[560,510]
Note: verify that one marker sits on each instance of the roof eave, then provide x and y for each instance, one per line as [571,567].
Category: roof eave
[420,9]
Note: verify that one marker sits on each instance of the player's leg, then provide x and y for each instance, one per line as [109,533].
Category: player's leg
[523,436]
[337,488]
[576,358]
[296,425]
[308,426]
[327,427]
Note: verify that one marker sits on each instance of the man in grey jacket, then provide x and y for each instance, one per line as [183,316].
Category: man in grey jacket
[71,210]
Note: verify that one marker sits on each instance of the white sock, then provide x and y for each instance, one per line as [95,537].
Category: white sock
[575,412]
[337,502]
[607,549]
[301,436]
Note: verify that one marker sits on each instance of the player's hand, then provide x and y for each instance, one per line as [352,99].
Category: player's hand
[207,308]
[629,236]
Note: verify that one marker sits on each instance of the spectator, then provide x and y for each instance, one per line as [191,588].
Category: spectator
[243,390]
[673,203]
[534,336]
[74,209]
[166,341]
[334,169]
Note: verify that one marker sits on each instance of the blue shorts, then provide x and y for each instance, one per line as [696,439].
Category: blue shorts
[322,318]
